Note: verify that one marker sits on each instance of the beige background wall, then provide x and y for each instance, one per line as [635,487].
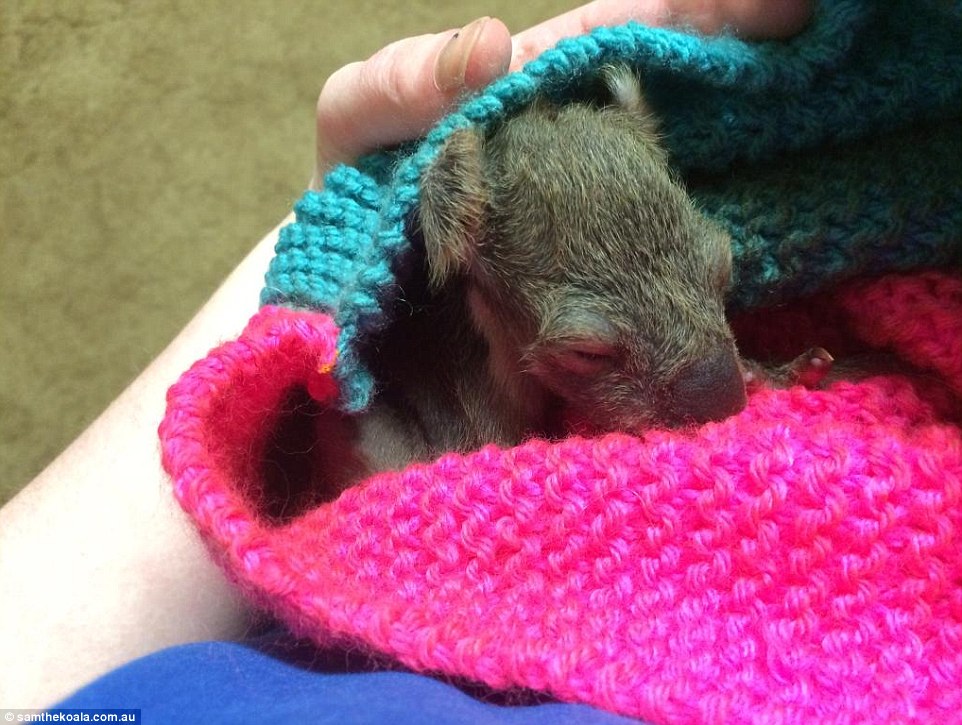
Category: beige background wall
[144,147]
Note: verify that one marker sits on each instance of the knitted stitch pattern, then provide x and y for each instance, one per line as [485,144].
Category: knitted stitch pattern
[799,562]
[832,155]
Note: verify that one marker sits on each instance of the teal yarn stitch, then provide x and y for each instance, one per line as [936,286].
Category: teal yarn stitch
[833,154]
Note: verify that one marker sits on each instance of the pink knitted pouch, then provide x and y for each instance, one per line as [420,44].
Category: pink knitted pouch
[800,561]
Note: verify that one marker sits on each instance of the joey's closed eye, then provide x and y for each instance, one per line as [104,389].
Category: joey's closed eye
[578,339]
[583,357]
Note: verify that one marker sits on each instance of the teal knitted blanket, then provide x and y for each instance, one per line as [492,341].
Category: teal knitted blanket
[835,154]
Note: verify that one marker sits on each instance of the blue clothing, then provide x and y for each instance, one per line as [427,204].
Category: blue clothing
[280,681]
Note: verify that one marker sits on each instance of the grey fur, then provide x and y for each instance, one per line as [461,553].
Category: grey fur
[573,282]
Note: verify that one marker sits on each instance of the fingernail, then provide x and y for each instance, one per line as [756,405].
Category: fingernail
[452,62]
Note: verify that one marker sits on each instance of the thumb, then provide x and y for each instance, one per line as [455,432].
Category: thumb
[402,90]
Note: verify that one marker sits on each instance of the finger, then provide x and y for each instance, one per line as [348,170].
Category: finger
[749,18]
[403,89]
[754,19]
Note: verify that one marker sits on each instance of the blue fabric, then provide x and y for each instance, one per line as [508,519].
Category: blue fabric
[220,682]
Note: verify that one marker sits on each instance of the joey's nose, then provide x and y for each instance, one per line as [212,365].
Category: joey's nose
[711,388]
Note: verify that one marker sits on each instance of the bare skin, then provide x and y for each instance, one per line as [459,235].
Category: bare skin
[99,564]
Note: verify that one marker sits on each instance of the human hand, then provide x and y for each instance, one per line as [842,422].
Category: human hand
[402,90]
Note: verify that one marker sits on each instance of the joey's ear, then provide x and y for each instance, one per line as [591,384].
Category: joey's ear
[625,88]
[454,196]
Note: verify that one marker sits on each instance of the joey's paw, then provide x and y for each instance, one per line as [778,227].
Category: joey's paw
[808,369]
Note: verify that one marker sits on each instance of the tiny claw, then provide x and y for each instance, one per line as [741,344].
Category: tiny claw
[812,367]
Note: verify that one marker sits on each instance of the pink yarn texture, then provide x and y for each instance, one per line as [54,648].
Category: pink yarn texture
[798,562]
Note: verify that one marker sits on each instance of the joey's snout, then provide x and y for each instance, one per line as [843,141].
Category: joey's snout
[711,388]
[595,285]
